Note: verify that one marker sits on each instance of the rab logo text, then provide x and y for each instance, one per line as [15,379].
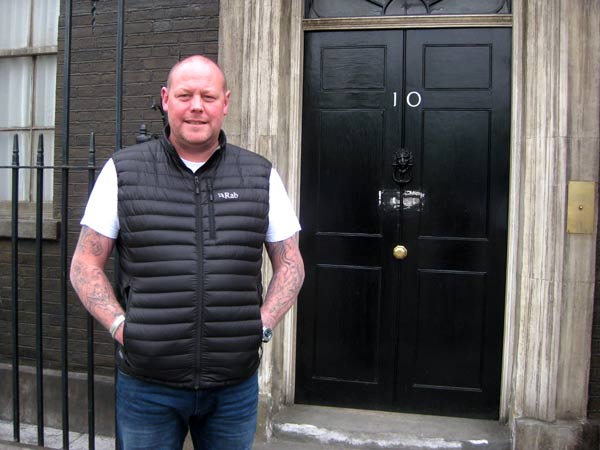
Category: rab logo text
[227,195]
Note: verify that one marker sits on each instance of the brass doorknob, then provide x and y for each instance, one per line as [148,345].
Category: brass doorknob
[400,252]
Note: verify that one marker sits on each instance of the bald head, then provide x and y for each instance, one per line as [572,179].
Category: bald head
[196,101]
[191,60]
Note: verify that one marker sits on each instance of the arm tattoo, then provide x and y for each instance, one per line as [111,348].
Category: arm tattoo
[288,275]
[94,290]
[89,280]
[89,242]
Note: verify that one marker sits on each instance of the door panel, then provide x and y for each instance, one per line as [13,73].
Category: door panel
[421,334]
[452,355]
[344,349]
[352,131]
[450,66]
[455,143]
[449,359]
[348,118]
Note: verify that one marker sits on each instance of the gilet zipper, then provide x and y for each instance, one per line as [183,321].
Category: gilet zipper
[211,209]
[200,285]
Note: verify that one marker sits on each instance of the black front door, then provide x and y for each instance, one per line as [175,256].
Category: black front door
[404,194]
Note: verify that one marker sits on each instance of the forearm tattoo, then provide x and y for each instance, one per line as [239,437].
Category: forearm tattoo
[88,278]
[288,275]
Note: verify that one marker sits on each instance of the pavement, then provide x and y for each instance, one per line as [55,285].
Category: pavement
[301,427]
[79,441]
[103,443]
[52,439]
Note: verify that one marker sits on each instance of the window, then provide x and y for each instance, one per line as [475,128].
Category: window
[28,53]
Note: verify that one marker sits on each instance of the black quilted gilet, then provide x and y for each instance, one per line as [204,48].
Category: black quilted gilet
[190,254]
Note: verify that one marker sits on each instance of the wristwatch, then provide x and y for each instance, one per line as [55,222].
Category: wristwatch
[267,334]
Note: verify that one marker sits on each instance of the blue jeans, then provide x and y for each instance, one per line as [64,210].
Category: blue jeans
[156,417]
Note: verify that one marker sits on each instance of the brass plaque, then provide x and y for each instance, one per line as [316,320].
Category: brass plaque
[580,207]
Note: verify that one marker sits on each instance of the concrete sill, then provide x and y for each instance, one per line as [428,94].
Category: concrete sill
[27,228]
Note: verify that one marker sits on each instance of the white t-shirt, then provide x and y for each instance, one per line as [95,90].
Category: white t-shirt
[101,210]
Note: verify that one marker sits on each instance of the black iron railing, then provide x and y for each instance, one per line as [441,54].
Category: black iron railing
[15,290]
[39,168]
[65,170]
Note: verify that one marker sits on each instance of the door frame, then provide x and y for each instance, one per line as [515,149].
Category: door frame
[458,21]
[398,70]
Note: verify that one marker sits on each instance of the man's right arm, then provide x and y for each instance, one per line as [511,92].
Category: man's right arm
[89,279]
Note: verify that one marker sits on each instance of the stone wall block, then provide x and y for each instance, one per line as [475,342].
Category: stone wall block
[542,58]
[537,357]
[544,183]
[575,350]
[532,434]
[584,155]
[579,44]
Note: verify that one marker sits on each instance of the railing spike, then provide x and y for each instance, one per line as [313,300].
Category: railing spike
[92,150]
[40,151]
[15,160]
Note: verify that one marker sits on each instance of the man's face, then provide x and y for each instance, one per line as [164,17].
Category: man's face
[196,103]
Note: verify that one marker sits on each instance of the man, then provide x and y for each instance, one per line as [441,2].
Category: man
[189,215]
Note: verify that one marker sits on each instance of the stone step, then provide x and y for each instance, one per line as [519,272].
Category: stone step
[360,429]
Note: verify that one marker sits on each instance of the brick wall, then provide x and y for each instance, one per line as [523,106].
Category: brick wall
[157,34]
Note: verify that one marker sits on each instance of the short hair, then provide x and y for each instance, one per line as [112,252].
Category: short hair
[201,58]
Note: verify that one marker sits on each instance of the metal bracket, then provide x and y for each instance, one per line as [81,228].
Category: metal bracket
[581,204]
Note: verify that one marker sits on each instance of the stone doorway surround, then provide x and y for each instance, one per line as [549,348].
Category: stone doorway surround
[555,139]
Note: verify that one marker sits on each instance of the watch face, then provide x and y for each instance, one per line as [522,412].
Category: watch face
[267,334]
